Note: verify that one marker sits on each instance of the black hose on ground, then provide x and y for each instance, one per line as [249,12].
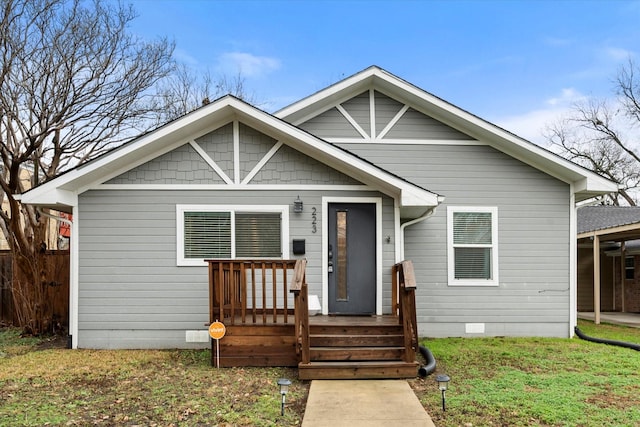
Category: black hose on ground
[609,342]
[430,361]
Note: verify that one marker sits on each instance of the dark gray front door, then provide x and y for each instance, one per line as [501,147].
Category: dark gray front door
[352,258]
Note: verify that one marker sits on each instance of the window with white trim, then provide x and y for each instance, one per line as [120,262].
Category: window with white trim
[472,234]
[206,232]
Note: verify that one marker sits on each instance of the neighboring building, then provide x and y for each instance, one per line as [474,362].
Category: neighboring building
[488,219]
[614,233]
[52,235]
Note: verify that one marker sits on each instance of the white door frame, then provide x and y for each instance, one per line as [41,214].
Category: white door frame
[325,247]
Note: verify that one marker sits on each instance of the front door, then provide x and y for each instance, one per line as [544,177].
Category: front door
[352,258]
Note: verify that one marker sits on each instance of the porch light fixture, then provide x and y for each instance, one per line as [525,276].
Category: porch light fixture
[297,205]
[284,384]
[443,384]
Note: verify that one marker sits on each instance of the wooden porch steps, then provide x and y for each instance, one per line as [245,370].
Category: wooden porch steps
[356,348]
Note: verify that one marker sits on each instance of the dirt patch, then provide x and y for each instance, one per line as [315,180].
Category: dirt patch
[54,341]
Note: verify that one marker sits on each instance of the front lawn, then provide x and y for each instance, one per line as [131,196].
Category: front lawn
[136,387]
[536,381]
[494,382]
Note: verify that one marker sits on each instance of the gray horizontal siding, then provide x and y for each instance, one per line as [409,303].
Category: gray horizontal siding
[359,109]
[533,236]
[330,124]
[128,279]
[415,125]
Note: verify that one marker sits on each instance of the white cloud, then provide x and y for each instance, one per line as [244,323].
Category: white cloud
[247,64]
[531,125]
[184,57]
[617,54]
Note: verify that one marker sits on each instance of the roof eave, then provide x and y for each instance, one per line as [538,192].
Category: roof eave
[64,189]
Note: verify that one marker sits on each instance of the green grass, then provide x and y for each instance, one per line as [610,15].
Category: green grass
[60,387]
[536,381]
[494,382]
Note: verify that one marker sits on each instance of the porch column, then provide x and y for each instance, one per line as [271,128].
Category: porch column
[623,271]
[596,279]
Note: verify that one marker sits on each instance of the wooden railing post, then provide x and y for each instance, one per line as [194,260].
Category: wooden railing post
[301,310]
[404,276]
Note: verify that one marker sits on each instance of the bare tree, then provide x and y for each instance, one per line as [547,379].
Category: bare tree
[603,138]
[73,83]
[186,90]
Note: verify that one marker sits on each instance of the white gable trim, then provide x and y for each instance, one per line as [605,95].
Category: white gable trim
[262,162]
[210,162]
[212,116]
[502,140]
[352,121]
[393,122]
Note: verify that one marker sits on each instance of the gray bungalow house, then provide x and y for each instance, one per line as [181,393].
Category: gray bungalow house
[355,178]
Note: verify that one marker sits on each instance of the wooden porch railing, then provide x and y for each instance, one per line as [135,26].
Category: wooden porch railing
[300,292]
[404,305]
[250,291]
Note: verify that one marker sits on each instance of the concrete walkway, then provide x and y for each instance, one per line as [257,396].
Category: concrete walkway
[372,403]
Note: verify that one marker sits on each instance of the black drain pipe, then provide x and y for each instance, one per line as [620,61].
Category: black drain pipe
[609,342]
[430,361]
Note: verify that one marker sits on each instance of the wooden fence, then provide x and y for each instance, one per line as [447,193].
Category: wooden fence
[54,285]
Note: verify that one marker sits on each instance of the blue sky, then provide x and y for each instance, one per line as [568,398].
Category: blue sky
[518,64]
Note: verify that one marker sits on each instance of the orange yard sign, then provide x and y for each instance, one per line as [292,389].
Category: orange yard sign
[217,330]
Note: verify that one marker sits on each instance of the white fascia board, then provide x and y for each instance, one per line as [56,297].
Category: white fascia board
[183,130]
[143,148]
[594,184]
[328,97]
[414,197]
[499,138]
[51,197]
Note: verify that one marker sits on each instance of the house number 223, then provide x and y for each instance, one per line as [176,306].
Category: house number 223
[314,218]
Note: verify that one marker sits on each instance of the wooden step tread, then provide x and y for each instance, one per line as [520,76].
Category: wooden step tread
[357,370]
[355,330]
[330,340]
[356,353]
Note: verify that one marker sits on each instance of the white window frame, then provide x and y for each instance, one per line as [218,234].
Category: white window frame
[283,210]
[494,281]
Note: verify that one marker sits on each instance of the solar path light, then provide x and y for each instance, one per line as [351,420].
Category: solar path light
[284,384]
[443,384]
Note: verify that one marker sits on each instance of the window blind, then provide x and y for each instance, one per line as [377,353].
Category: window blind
[473,263]
[258,234]
[472,245]
[207,235]
[472,228]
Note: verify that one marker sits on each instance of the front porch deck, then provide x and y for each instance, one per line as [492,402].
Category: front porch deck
[260,333]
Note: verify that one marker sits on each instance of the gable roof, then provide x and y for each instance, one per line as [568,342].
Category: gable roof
[62,192]
[586,184]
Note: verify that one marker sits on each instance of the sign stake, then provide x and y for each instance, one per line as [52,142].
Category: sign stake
[217,331]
